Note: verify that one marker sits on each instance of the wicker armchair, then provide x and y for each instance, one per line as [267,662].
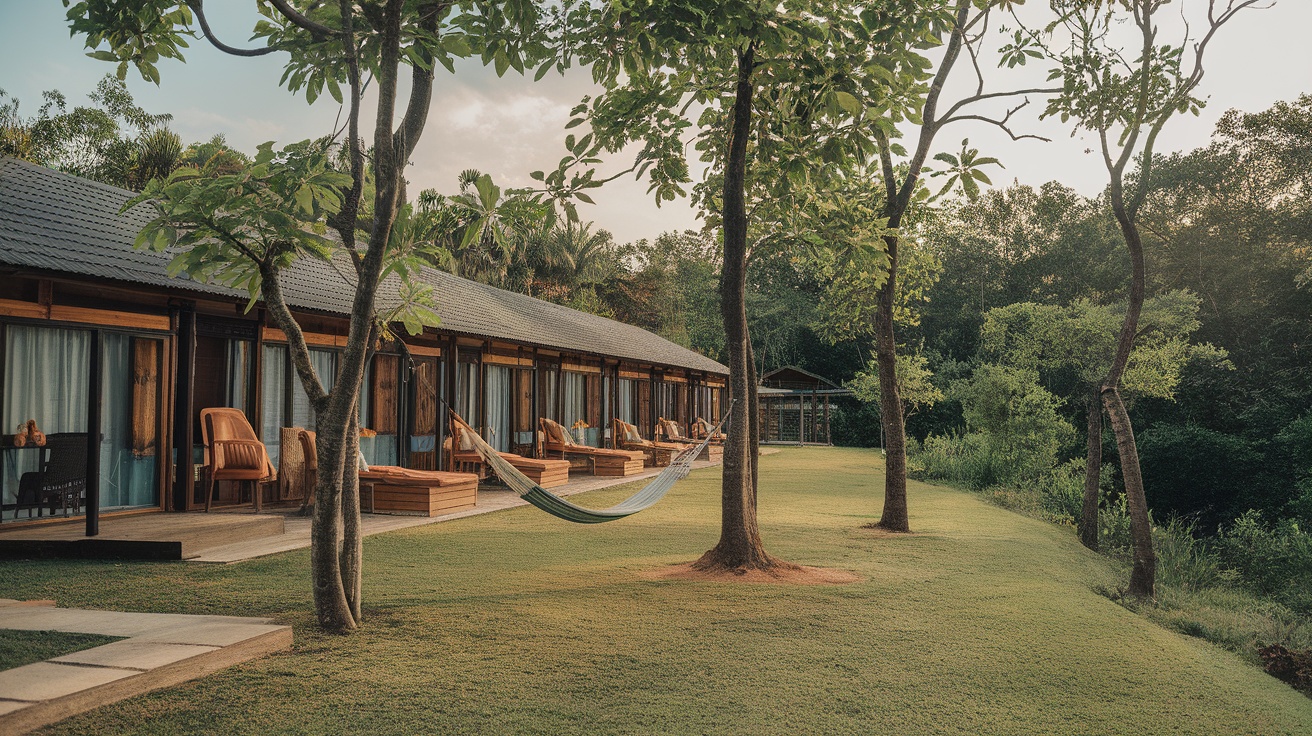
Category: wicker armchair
[61,479]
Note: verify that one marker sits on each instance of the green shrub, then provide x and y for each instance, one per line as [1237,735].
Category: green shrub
[1272,561]
[1184,561]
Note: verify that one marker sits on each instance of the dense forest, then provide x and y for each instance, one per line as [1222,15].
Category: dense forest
[1010,302]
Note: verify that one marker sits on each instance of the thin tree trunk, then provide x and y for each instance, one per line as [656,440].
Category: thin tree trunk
[1143,576]
[740,544]
[331,607]
[352,548]
[1092,475]
[894,517]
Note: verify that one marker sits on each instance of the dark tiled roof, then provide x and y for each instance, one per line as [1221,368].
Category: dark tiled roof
[52,221]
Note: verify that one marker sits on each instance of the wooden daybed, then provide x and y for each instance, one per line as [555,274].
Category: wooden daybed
[390,489]
[624,436]
[668,430]
[545,472]
[596,460]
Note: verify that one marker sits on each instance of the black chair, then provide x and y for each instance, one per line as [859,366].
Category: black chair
[61,480]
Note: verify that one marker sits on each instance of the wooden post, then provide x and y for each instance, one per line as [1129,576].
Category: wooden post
[93,437]
[536,414]
[184,493]
[829,437]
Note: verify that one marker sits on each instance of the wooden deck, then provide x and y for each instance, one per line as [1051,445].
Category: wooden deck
[241,534]
[154,536]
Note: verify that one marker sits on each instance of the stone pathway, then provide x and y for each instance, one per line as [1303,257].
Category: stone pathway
[160,650]
[490,498]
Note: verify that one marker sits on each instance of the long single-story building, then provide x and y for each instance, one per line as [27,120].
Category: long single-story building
[98,336]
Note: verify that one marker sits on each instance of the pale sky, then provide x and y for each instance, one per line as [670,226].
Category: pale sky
[510,126]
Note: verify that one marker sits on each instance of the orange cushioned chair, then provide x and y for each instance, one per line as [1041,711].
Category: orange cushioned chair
[233,452]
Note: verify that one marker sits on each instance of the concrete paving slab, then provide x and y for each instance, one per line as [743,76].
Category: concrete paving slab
[9,706]
[47,680]
[209,634]
[135,654]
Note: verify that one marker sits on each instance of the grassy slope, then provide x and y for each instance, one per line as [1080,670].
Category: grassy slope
[982,622]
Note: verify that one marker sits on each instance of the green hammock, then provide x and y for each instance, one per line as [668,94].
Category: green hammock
[559,507]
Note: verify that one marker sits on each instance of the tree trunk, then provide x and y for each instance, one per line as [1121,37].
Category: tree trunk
[740,544]
[1092,475]
[352,554]
[1143,576]
[331,607]
[894,517]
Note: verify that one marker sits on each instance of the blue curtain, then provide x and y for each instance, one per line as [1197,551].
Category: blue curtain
[46,378]
[496,394]
[126,478]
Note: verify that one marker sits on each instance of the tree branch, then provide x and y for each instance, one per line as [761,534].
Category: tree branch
[319,30]
[197,8]
[999,123]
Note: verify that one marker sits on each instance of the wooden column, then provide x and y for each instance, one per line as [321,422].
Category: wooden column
[93,437]
[183,433]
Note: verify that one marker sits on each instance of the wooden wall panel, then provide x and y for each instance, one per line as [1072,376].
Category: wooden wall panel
[385,398]
[145,396]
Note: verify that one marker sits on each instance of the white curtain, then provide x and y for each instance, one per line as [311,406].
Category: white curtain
[239,374]
[46,378]
[126,479]
[324,363]
[576,409]
[624,406]
[273,394]
[547,396]
[497,407]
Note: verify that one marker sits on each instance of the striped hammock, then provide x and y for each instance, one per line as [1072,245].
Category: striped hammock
[556,506]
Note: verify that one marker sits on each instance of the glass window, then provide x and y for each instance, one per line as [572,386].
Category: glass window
[324,363]
[547,394]
[576,408]
[129,444]
[624,408]
[379,448]
[46,379]
[497,407]
[273,398]
[239,374]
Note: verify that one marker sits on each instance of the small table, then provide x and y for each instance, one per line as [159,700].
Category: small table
[7,447]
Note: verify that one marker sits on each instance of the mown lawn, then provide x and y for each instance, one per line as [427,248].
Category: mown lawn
[983,621]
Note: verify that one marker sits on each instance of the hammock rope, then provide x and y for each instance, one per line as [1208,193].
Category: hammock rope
[549,502]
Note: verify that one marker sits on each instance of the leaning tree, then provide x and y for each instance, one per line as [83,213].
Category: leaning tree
[273,212]
[1124,91]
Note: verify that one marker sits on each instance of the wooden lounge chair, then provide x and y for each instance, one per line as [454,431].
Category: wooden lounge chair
[599,461]
[544,472]
[701,428]
[233,452]
[670,431]
[624,436]
[396,490]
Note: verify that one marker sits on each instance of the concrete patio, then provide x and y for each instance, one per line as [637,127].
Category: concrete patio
[159,650]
